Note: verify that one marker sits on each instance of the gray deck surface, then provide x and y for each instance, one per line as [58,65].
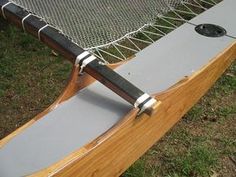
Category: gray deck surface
[96,109]
[223,15]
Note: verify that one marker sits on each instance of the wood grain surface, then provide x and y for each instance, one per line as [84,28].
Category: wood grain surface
[113,152]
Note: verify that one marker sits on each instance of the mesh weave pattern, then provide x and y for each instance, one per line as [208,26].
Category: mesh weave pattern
[92,23]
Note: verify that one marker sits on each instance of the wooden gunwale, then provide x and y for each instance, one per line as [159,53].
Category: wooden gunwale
[79,163]
[75,83]
[114,151]
[114,147]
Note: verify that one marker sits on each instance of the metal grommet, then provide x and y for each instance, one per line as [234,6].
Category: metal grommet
[210,30]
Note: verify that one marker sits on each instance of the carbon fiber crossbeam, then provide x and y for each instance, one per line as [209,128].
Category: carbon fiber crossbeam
[87,62]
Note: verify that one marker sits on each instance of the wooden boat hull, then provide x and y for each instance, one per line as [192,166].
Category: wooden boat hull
[115,150]
[112,153]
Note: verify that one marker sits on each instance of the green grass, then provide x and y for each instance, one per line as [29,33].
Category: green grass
[197,161]
[30,77]
[203,143]
[137,170]
[170,22]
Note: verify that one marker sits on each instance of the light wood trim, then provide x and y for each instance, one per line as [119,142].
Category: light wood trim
[113,152]
[75,84]
[69,90]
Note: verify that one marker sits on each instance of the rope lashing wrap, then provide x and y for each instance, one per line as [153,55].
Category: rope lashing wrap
[113,22]
[22,22]
[2,9]
[115,19]
[141,99]
[149,103]
[84,59]
[40,30]
[144,102]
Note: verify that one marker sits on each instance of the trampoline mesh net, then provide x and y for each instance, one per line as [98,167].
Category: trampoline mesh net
[91,23]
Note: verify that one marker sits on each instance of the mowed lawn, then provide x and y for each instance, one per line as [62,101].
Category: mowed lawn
[203,143]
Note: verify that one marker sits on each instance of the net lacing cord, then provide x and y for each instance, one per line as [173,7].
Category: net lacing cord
[144,102]
[150,32]
[85,58]
[99,51]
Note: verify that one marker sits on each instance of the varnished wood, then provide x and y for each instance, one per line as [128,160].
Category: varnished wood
[75,84]
[59,42]
[113,152]
[153,110]
[70,89]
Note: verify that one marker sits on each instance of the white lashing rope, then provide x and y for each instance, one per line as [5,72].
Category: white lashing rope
[81,56]
[2,9]
[115,22]
[85,61]
[145,31]
[147,105]
[141,99]
[39,31]
[22,22]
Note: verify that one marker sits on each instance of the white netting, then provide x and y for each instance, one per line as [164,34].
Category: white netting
[92,23]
